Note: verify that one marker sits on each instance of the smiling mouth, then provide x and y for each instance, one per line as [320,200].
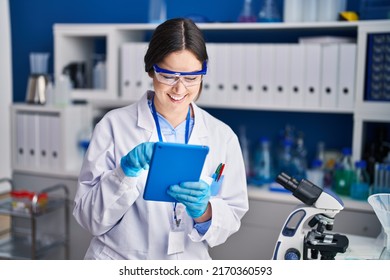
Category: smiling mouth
[178,98]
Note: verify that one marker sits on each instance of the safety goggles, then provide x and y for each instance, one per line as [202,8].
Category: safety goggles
[170,78]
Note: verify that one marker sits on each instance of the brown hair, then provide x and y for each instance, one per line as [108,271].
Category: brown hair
[174,35]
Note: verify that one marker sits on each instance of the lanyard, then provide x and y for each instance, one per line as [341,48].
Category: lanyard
[161,140]
[187,131]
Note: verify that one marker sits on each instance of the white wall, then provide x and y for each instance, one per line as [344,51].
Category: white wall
[5,91]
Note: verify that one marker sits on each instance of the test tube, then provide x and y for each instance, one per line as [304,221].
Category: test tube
[375,188]
[382,174]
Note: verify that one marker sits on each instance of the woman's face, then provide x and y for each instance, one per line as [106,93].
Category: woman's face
[175,99]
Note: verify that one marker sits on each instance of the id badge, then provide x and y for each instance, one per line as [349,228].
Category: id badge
[176,234]
[175,242]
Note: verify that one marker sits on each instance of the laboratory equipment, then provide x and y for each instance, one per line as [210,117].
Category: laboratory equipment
[76,71]
[49,93]
[62,90]
[316,173]
[84,138]
[381,204]
[244,142]
[269,12]
[285,158]
[38,79]
[262,165]
[247,14]
[304,229]
[99,72]
[381,178]
[361,181]
[343,173]
[37,229]
[299,158]
[157,11]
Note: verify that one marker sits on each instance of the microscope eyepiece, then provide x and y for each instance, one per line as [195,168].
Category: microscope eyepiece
[304,190]
[287,182]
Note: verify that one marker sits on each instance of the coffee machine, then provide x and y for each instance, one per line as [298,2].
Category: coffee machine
[38,79]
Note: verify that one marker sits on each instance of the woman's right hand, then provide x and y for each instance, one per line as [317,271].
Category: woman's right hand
[137,159]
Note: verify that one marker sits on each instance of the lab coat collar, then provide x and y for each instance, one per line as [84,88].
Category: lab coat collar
[146,121]
[145,118]
[199,132]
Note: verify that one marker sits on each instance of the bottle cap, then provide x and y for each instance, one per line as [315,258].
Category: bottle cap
[316,163]
[263,139]
[347,151]
[360,164]
[287,142]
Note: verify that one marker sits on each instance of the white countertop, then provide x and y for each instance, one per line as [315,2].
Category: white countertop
[362,248]
[263,193]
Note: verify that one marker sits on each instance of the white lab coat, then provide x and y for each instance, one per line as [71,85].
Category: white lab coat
[111,207]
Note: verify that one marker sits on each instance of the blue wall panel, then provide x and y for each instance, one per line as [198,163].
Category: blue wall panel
[31,27]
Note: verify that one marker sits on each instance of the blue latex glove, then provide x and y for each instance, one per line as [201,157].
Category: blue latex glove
[137,159]
[194,195]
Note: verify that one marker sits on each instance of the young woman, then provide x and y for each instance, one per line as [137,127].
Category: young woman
[109,202]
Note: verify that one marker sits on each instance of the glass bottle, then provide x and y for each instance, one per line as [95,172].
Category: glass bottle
[244,142]
[320,153]
[284,159]
[49,93]
[299,159]
[269,12]
[99,72]
[157,11]
[262,162]
[247,14]
[316,173]
[360,181]
[343,173]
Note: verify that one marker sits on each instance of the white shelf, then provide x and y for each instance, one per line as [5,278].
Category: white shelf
[254,25]
[72,28]
[279,108]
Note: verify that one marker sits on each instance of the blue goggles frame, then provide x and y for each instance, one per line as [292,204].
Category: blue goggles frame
[165,71]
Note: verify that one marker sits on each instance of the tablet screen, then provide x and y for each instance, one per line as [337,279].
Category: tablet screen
[171,164]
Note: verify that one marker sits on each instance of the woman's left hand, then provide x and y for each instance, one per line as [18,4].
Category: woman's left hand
[194,195]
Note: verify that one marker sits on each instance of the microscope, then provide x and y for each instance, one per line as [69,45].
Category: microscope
[303,235]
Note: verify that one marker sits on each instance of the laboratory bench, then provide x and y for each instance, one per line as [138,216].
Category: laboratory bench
[268,211]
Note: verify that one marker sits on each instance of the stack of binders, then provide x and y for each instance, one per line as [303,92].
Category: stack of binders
[37,140]
[305,75]
[134,80]
[47,139]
